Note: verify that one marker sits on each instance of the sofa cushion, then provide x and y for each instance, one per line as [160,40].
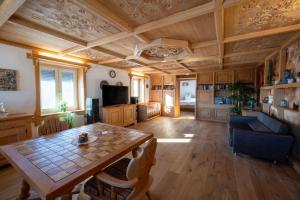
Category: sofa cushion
[238,125]
[275,125]
[258,126]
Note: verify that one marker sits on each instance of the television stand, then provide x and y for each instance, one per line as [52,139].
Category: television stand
[119,115]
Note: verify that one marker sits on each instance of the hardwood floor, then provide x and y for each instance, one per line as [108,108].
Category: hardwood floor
[194,162]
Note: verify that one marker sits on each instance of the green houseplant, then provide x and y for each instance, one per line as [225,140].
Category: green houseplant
[242,95]
[66,116]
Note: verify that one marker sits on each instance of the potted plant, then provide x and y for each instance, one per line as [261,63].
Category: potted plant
[66,116]
[242,95]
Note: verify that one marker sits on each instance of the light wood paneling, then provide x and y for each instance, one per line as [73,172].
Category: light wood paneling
[224,77]
[205,78]
[244,75]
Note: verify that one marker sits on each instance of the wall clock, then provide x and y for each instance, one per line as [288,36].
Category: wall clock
[112,74]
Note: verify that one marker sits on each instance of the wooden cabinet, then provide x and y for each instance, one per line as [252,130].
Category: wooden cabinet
[245,75]
[14,128]
[156,95]
[213,113]
[205,78]
[224,77]
[156,80]
[205,96]
[169,80]
[119,115]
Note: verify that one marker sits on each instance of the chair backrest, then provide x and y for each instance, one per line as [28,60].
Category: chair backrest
[52,125]
[140,166]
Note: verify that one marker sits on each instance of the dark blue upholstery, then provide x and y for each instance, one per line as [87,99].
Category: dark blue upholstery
[273,144]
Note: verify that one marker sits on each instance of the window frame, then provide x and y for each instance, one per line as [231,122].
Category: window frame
[140,80]
[58,83]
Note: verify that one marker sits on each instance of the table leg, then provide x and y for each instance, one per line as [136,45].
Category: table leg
[134,152]
[25,191]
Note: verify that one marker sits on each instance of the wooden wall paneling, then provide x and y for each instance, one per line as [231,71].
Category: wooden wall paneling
[205,97]
[38,111]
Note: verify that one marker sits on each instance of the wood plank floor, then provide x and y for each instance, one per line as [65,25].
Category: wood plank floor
[194,162]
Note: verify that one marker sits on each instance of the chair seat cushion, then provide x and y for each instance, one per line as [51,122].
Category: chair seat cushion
[117,170]
[258,126]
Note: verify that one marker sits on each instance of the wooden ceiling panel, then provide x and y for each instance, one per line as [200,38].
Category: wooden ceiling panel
[68,16]
[247,58]
[118,48]
[33,38]
[258,43]
[198,29]
[140,12]
[93,55]
[144,69]
[201,63]
[124,64]
[206,51]
[128,43]
[255,15]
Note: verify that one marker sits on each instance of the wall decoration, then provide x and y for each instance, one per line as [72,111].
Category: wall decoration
[104,82]
[8,80]
[112,74]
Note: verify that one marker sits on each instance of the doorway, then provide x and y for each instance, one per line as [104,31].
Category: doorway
[187,95]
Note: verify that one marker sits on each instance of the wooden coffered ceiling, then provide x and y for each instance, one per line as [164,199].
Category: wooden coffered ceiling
[221,33]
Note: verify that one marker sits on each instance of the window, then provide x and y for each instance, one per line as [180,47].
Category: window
[137,89]
[58,85]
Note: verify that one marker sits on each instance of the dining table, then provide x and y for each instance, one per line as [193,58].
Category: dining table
[53,165]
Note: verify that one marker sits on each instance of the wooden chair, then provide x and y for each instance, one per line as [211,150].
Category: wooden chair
[52,125]
[128,179]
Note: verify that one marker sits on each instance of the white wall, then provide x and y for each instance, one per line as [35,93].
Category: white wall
[98,73]
[22,100]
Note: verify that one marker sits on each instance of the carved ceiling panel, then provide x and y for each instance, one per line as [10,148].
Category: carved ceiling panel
[33,38]
[93,55]
[168,66]
[198,29]
[253,15]
[67,16]
[142,11]
[259,43]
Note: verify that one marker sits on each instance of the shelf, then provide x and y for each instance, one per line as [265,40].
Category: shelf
[281,86]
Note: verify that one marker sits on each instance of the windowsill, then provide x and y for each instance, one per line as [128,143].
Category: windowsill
[80,112]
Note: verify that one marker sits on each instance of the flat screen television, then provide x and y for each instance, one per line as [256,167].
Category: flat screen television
[114,95]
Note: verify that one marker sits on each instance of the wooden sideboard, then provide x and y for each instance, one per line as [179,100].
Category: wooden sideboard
[14,128]
[119,115]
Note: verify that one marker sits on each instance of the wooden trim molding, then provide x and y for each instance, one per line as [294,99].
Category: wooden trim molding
[8,8]
[37,114]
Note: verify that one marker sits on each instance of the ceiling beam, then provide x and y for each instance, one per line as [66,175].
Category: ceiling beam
[175,18]
[250,52]
[34,26]
[230,3]
[263,33]
[8,8]
[183,66]
[141,37]
[37,27]
[110,16]
[219,24]
[204,44]
[145,65]
[243,62]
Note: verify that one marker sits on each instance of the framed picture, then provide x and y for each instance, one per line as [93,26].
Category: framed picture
[8,80]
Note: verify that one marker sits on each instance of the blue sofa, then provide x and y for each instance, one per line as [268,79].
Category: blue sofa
[261,137]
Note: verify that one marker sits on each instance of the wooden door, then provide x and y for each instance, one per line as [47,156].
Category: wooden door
[129,114]
[224,77]
[168,103]
[205,78]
